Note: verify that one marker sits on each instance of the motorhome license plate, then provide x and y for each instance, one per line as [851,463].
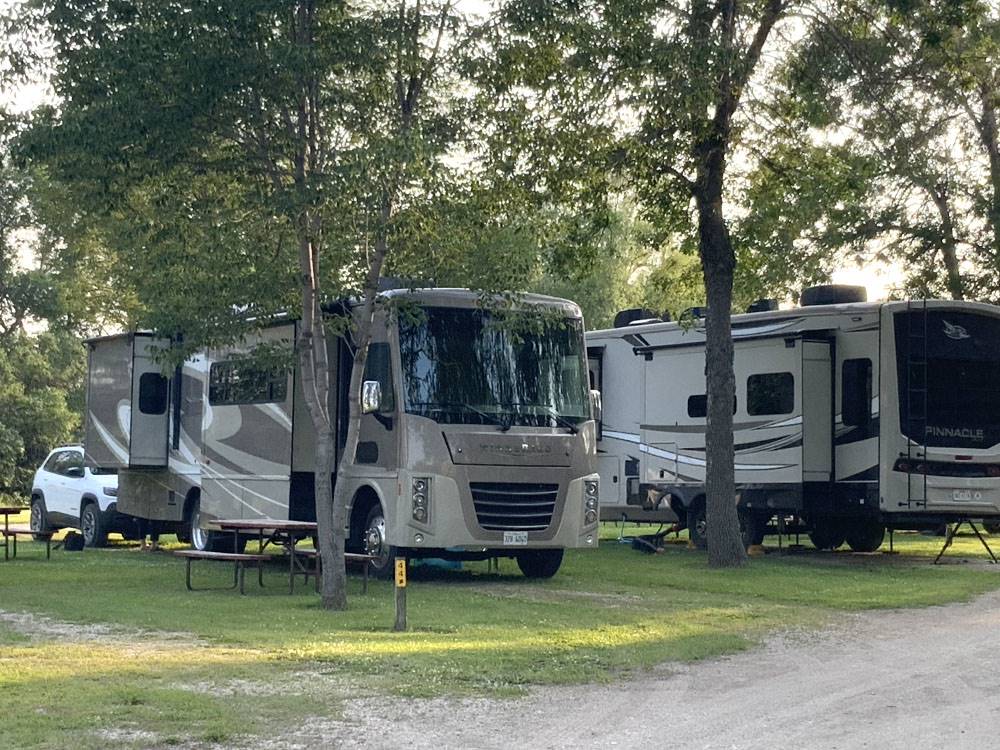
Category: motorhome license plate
[515,537]
[962,495]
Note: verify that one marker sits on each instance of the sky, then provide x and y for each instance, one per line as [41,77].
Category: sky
[879,280]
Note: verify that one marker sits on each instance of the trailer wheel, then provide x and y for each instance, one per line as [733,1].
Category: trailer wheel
[991,527]
[827,534]
[865,536]
[375,544]
[540,563]
[752,528]
[697,525]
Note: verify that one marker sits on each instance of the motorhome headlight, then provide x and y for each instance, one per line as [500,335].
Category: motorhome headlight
[591,487]
[590,517]
[419,499]
[591,503]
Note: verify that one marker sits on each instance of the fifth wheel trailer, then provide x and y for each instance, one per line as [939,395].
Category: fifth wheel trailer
[850,418]
[481,443]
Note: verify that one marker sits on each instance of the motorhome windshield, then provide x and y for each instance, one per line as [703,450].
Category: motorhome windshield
[960,353]
[463,366]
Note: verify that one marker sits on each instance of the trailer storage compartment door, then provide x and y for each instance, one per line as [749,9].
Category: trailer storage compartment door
[817,411]
[149,413]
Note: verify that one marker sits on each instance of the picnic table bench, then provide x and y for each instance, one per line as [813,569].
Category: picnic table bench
[312,554]
[240,562]
[11,533]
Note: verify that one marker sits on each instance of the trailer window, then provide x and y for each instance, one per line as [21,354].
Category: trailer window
[856,392]
[698,406]
[244,383]
[770,393]
[152,393]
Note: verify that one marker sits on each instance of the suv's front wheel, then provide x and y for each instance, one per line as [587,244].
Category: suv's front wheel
[92,526]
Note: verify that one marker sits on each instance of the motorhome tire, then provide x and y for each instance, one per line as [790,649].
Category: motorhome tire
[540,563]
[92,527]
[827,534]
[39,521]
[697,525]
[864,536]
[204,540]
[991,527]
[375,544]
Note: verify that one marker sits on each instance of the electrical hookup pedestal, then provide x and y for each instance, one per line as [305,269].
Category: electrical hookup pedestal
[400,580]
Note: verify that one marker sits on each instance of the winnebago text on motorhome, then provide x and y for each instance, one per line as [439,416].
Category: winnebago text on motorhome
[852,417]
[482,445]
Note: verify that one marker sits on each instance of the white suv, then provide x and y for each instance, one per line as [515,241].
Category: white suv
[66,493]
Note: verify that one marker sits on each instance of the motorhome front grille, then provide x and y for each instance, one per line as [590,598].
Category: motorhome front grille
[514,506]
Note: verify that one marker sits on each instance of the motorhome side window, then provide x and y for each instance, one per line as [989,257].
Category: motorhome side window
[698,406]
[245,383]
[378,367]
[152,393]
[856,392]
[770,393]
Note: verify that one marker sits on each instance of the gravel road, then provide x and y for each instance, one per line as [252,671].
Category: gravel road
[895,679]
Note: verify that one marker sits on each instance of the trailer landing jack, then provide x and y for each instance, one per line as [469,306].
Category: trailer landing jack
[952,530]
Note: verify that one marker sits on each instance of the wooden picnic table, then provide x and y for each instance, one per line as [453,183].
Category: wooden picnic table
[282,533]
[7,513]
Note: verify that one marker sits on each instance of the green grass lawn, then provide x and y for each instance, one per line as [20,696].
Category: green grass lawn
[248,661]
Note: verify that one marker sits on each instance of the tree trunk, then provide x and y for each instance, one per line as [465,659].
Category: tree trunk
[329,525]
[725,544]
[991,140]
[314,369]
[949,243]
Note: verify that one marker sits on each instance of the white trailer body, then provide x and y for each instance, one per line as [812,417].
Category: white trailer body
[851,417]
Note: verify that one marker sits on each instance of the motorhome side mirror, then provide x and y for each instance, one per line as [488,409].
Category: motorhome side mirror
[371,396]
[596,407]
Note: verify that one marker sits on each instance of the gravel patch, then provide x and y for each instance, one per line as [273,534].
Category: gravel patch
[894,680]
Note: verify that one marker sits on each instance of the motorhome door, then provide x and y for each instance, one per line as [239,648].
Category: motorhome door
[150,397]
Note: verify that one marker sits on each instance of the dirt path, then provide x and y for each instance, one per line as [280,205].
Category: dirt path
[899,679]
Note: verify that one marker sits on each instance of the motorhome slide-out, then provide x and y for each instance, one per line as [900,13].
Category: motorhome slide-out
[481,442]
[849,417]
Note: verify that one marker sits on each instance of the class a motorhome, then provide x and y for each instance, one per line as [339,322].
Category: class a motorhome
[850,417]
[478,440]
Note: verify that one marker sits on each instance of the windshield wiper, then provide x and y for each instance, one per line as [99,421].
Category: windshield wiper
[503,424]
[559,418]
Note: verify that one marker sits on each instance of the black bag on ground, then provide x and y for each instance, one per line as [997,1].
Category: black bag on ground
[73,542]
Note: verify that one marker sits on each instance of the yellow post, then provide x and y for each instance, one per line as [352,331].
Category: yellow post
[400,578]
